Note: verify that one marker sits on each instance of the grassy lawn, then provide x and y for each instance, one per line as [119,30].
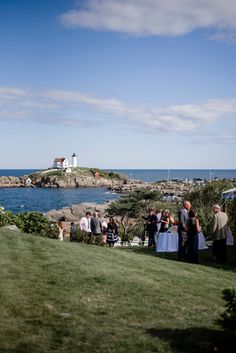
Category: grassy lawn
[67,297]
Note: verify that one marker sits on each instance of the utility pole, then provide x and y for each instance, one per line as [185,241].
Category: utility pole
[211,174]
[168,175]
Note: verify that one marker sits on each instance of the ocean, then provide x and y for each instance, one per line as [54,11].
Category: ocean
[43,200]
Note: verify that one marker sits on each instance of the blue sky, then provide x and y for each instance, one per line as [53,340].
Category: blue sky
[123,83]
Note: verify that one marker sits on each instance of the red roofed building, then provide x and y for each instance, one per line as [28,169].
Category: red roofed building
[60,163]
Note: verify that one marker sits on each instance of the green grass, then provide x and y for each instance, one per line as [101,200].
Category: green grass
[67,297]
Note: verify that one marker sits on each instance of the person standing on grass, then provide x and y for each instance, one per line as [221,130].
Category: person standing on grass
[104,232]
[61,231]
[192,228]
[165,221]
[85,225]
[72,231]
[219,234]
[96,229]
[151,226]
[112,232]
[182,220]
[158,214]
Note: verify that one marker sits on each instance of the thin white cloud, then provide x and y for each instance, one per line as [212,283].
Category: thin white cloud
[224,35]
[153,17]
[75,108]
[217,138]
[171,118]
[11,93]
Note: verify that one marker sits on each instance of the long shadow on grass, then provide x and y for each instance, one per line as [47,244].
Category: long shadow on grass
[195,340]
[205,257]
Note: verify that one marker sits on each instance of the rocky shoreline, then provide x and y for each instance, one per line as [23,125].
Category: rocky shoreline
[170,190]
[12,182]
[75,212]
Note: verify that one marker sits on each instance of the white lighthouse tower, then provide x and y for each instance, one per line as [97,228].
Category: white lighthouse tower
[74,160]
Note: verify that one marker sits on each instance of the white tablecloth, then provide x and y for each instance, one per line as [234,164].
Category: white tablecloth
[169,242]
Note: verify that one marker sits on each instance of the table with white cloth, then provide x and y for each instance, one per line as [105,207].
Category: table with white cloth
[169,242]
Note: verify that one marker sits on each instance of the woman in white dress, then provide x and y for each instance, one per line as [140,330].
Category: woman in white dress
[61,231]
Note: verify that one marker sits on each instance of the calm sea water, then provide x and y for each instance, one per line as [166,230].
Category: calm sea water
[43,200]
[36,199]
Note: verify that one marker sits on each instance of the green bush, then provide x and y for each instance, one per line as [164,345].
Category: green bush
[108,175]
[8,218]
[33,222]
[5,218]
[50,231]
[80,235]
[228,318]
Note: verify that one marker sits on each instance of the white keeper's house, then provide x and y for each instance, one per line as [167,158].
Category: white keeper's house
[61,163]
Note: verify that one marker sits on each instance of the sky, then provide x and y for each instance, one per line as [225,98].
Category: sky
[146,84]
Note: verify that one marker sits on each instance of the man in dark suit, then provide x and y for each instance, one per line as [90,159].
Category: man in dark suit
[151,226]
[183,217]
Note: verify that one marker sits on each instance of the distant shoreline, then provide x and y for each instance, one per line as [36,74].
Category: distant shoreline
[149,175]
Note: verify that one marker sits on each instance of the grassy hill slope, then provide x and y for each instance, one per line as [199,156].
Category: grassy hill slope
[65,297]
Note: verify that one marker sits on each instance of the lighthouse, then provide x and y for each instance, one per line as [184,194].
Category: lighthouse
[74,160]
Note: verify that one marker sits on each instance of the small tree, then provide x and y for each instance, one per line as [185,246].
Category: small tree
[131,206]
[202,199]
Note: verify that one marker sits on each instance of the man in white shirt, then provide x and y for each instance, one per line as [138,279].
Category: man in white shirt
[85,224]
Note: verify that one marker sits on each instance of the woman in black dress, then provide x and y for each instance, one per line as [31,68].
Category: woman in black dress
[192,228]
[112,232]
[165,221]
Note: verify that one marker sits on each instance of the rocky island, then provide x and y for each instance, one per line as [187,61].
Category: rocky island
[76,178]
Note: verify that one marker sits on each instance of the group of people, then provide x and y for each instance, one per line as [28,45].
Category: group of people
[157,222]
[102,233]
[188,229]
[97,230]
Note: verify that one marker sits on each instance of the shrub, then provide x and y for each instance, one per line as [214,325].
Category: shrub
[33,222]
[80,235]
[108,175]
[228,318]
[8,218]
[50,231]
